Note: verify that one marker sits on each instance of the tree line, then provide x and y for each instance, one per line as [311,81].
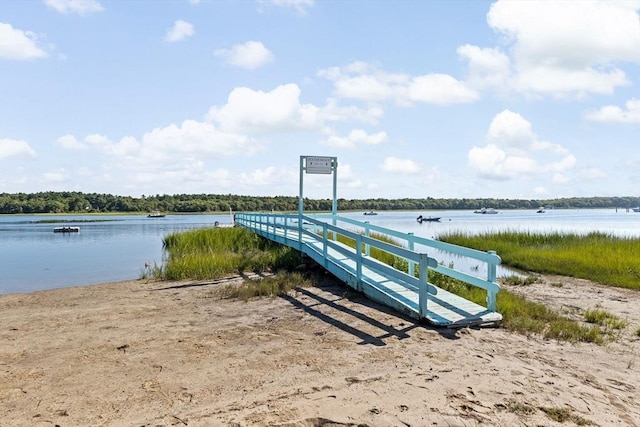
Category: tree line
[76,202]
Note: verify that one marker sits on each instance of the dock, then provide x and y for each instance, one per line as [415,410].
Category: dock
[318,236]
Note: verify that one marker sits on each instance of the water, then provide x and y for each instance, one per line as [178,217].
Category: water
[117,247]
[114,248]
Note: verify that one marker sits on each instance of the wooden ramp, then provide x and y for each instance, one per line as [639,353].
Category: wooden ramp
[403,292]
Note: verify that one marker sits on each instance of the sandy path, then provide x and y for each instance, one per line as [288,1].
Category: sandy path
[159,354]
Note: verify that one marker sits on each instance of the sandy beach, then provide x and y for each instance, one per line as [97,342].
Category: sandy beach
[146,353]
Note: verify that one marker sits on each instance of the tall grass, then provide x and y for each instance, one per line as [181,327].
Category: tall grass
[600,257]
[212,253]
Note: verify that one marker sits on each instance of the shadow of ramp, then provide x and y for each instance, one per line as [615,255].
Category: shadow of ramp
[363,336]
[321,306]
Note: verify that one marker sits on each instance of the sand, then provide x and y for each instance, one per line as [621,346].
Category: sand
[145,353]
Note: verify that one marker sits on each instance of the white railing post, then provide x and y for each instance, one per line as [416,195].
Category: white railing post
[367,232]
[325,237]
[491,277]
[424,286]
[359,262]
[412,264]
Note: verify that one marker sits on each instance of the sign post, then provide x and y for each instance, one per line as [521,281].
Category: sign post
[318,165]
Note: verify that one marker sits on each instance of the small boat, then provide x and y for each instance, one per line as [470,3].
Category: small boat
[156,215]
[540,210]
[66,230]
[636,209]
[422,219]
[486,211]
[371,213]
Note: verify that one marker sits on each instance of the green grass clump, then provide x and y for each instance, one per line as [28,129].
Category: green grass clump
[212,253]
[600,257]
[561,415]
[520,281]
[607,320]
[520,408]
[271,286]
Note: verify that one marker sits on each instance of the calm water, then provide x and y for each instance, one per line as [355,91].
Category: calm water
[117,247]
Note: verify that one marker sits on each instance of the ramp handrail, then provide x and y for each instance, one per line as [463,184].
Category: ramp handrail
[297,230]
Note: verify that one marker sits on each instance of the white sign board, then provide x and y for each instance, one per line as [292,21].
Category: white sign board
[320,165]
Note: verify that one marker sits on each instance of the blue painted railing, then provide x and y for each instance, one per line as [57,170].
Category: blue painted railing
[300,231]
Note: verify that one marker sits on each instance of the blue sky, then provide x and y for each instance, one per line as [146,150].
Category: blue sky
[444,99]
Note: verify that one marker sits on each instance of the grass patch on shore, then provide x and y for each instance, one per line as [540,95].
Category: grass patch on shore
[270,286]
[603,258]
[212,253]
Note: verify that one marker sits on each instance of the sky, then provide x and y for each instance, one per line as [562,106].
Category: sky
[416,99]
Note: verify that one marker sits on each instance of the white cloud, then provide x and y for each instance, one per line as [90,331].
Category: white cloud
[356,137]
[510,129]
[269,178]
[615,114]
[180,31]
[59,175]
[19,45]
[364,82]
[514,151]
[593,174]
[70,142]
[397,165]
[299,5]
[488,68]
[440,89]
[332,111]
[249,55]
[247,110]
[81,7]
[565,47]
[195,139]
[15,148]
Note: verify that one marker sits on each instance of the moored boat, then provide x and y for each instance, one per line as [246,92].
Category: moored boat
[66,230]
[156,215]
[422,219]
[486,211]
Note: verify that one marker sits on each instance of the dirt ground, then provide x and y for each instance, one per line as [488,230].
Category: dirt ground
[144,353]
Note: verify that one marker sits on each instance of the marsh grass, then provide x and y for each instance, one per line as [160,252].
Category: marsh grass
[212,253]
[600,257]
